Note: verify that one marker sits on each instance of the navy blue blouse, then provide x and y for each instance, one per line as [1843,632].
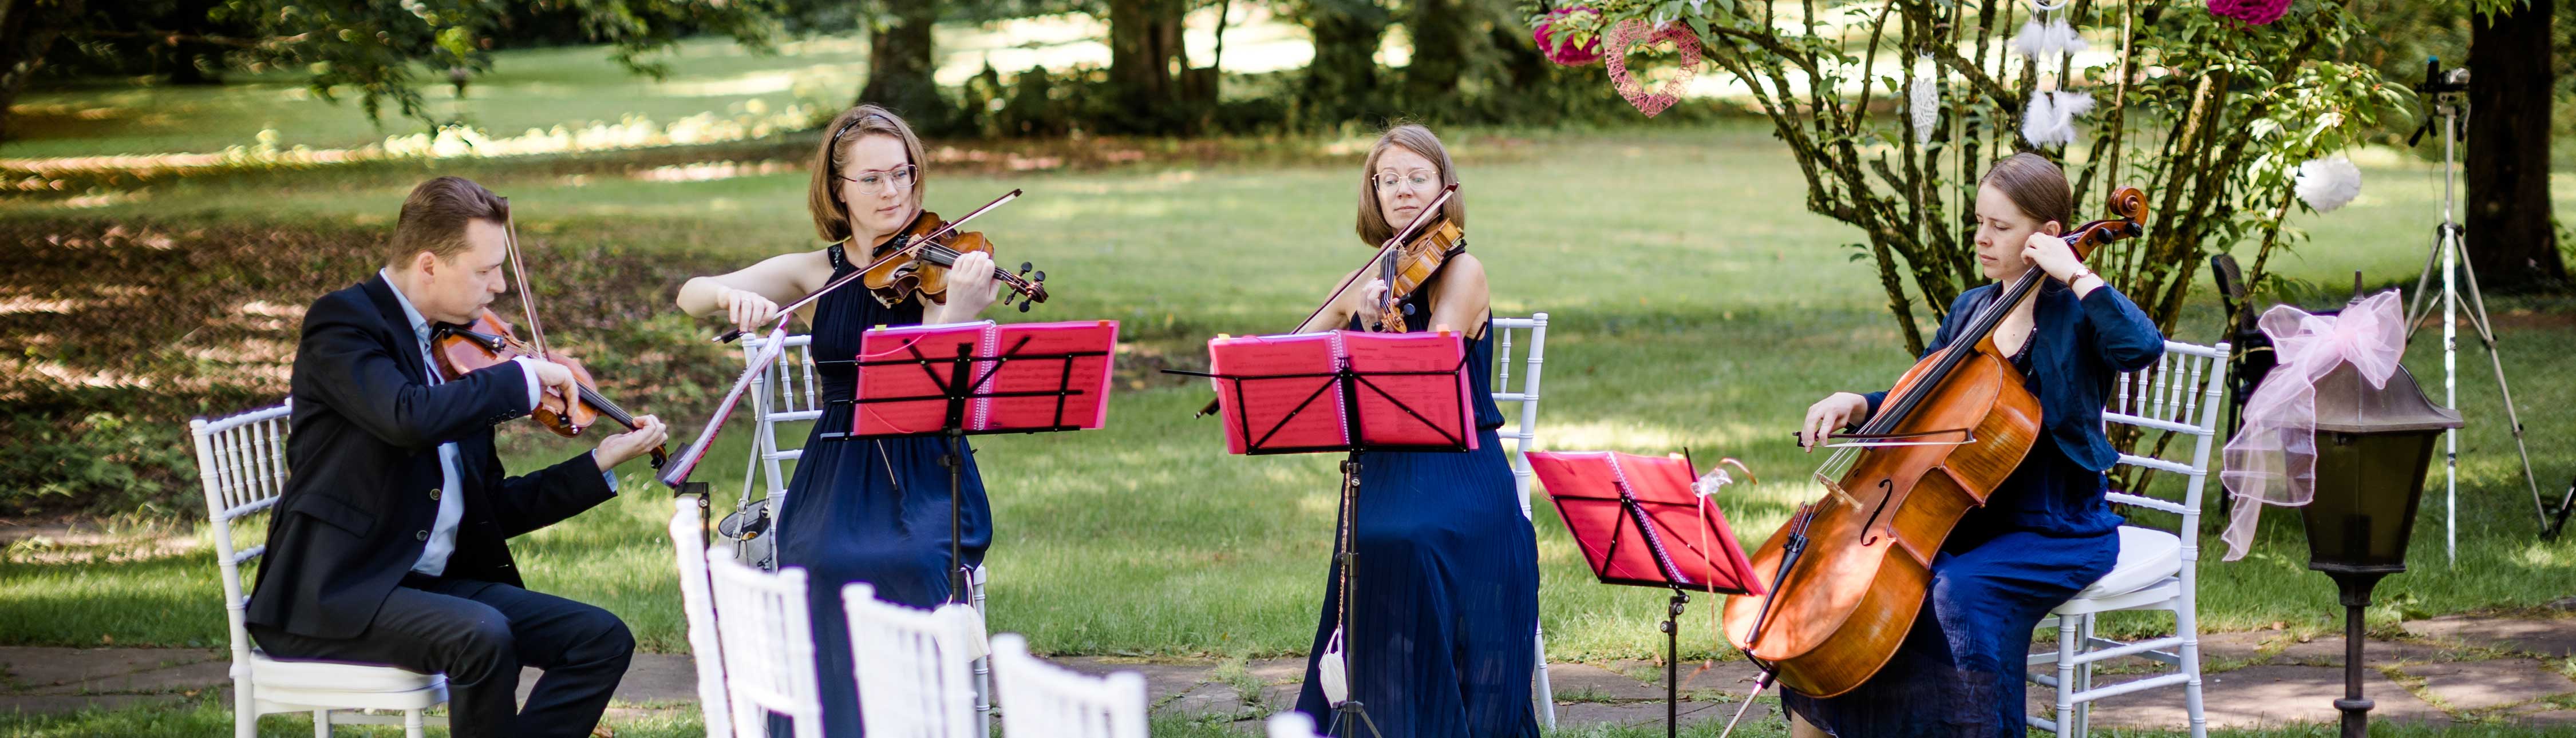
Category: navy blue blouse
[2079,346]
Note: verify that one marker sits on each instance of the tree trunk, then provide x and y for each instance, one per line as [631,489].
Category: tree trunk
[899,62]
[1341,82]
[2512,241]
[1144,44]
[27,27]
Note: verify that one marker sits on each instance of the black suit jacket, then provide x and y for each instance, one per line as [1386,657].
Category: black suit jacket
[363,473]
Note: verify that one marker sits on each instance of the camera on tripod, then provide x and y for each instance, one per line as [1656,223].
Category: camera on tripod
[2440,90]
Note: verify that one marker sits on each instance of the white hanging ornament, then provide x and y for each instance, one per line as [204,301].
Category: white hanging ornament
[1923,101]
[2050,119]
[2328,183]
[2046,40]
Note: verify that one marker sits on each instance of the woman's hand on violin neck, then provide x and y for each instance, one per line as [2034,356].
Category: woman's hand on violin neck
[624,447]
[1831,414]
[970,288]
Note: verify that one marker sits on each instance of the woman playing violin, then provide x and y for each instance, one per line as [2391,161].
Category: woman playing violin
[2047,532]
[1447,586]
[871,511]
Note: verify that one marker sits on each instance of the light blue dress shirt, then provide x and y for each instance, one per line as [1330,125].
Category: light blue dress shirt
[451,503]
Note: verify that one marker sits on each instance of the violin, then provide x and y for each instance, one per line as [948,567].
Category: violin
[488,341]
[1406,269]
[926,249]
[917,261]
[1405,261]
[1850,571]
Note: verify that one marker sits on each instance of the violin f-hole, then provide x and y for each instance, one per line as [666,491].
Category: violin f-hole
[1888,493]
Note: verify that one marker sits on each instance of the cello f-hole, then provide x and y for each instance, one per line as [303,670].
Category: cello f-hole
[1888,493]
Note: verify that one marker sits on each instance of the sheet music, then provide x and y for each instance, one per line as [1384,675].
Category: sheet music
[1268,401]
[1089,375]
[928,415]
[1440,399]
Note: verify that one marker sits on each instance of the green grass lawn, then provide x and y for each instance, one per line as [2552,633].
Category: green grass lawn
[1695,304]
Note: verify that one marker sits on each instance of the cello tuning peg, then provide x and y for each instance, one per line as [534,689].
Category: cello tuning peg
[1041,276]
[1024,306]
[1025,267]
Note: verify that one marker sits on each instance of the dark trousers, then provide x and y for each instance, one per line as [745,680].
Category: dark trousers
[479,634]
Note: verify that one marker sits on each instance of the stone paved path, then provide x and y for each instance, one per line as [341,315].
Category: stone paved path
[2453,669]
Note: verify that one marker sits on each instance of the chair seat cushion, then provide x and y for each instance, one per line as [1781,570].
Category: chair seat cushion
[333,676]
[2147,556]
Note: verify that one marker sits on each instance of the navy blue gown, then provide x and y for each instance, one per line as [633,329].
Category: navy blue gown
[1447,589]
[2045,534]
[872,511]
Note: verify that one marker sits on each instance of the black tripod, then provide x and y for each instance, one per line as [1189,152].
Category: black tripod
[2444,88]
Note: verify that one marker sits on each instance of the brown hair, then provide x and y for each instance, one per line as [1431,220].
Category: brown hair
[434,217]
[2036,186]
[1373,228]
[823,195]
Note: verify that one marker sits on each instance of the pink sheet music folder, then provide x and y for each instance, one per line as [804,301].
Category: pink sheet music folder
[998,364]
[1699,548]
[1281,374]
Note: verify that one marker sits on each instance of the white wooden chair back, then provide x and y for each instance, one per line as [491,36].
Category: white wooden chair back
[697,599]
[1519,403]
[766,636]
[1042,700]
[914,676]
[787,393]
[241,463]
[2181,394]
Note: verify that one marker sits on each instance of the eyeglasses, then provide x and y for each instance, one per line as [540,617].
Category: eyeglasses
[877,181]
[1416,179]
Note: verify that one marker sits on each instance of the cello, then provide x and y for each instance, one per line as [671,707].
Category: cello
[1850,571]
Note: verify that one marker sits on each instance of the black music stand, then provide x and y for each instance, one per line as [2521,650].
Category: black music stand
[1447,432]
[961,378]
[1631,515]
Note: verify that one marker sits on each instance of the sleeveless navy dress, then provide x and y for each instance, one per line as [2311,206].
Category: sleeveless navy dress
[1443,632]
[872,511]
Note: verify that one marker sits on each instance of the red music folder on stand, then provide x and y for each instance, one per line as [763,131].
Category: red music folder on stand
[1018,378]
[1343,390]
[1639,522]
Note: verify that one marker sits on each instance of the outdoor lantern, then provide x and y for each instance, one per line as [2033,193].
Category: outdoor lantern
[2373,446]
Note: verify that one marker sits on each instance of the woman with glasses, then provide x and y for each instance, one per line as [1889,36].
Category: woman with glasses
[1445,593]
[872,511]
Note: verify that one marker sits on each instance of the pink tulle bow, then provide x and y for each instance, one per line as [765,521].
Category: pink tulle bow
[2273,460]
[1562,52]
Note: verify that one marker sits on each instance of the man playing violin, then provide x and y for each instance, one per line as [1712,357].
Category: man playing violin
[388,544]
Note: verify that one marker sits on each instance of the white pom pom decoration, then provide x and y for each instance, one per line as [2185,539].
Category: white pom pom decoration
[2050,119]
[2046,41]
[2329,183]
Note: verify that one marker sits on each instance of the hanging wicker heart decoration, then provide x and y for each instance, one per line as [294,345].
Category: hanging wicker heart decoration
[1632,33]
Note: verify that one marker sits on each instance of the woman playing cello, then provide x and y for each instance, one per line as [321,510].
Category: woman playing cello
[2046,532]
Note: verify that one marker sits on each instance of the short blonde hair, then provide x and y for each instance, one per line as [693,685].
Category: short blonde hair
[1373,228]
[823,195]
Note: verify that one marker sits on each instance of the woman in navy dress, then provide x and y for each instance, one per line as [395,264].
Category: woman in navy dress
[1446,592]
[872,511]
[2047,532]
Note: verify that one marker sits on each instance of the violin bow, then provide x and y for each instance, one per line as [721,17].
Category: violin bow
[519,272]
[914,245]
[1400,238]
[775,344]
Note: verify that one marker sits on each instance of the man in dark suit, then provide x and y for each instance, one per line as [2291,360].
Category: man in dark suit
[387,546]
